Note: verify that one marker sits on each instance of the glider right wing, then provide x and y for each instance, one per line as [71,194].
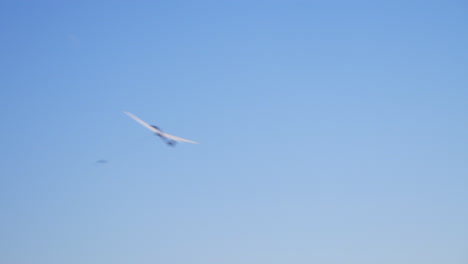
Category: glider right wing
[178,138]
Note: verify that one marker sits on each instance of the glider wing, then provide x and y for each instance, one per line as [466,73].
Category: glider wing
[143,123]
[178,138]
[157,131]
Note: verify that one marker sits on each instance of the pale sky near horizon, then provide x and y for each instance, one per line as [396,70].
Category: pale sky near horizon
[331,132]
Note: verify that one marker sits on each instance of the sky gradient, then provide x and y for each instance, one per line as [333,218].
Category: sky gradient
[331,132]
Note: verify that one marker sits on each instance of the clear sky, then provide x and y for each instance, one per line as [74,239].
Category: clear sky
[331,132]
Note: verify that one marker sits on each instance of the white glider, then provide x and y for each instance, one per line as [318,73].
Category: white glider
[169,139]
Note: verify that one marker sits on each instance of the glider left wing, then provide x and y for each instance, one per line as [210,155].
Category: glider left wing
[143,123]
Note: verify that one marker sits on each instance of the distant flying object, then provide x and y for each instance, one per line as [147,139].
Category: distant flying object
[102,161]
[168,139]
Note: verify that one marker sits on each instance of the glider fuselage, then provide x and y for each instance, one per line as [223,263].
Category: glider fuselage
[160,134]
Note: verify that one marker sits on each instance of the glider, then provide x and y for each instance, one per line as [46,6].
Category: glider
[168,139]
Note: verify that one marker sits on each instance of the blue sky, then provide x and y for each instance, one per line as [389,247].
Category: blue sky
[331,132]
